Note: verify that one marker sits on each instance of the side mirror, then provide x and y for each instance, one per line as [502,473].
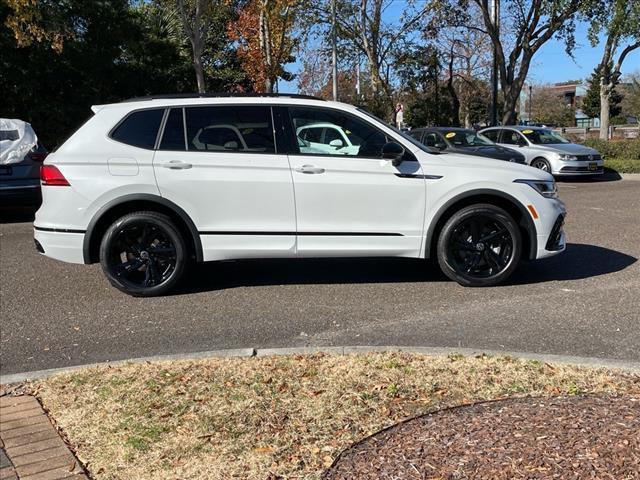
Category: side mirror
[336,143]
[440,146]
[393,151]
[232,145]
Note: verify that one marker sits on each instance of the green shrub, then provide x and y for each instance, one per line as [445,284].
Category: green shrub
[622,166]
[616,149]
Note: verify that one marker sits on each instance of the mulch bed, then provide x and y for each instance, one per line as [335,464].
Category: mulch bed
[579,437]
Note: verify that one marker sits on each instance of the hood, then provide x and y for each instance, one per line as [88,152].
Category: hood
[486,165]
[568,148]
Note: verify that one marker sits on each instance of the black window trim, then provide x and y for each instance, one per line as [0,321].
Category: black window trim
[291,133]
[124,119]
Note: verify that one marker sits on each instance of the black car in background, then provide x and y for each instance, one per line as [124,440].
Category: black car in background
[466,142]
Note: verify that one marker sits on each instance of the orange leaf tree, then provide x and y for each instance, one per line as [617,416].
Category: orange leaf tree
[264,31]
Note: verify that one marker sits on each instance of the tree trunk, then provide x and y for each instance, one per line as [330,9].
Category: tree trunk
[197,66]
[604,112]
[455,101]
[265,47]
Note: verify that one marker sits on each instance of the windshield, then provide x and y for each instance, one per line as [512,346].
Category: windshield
[405,136]
[544,137]
[466,138]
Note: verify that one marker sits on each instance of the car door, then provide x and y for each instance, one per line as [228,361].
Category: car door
[515,140]
[355,203]
[220,165]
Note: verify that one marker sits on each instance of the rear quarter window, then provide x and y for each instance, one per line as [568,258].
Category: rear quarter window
[139,129]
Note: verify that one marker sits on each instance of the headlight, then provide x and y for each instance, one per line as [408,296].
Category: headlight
[546,188]
[567,158]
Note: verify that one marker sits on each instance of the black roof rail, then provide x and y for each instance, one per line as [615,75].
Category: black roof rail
[220,95]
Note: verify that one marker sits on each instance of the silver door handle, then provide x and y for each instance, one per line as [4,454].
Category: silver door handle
[309,169]
[176,165]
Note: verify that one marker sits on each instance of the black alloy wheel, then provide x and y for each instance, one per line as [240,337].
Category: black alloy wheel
[143,254]
[479,245]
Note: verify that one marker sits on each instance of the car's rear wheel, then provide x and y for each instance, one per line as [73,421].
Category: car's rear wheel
[143,254]
[479,246]
[541,164]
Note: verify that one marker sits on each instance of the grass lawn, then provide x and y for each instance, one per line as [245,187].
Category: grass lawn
[260,418]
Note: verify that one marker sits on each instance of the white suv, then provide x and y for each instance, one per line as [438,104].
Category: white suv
[149,185]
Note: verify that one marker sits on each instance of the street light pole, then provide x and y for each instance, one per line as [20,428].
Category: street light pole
[495,18]
[530,104]
[334,52]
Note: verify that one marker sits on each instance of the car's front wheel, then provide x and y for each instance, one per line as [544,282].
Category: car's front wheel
[143,254]
[541,164]
[479,246]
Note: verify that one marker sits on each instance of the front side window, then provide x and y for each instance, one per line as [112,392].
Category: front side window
[230,129]
[139,129]
[364,140]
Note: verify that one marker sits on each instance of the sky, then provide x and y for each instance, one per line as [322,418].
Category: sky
[551,64]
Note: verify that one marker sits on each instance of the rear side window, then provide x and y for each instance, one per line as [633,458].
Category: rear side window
[173,136]
[139,129]
[491,135]
[230,129]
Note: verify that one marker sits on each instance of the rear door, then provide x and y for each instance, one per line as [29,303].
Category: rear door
[222,166]
[355,203]
[515,140]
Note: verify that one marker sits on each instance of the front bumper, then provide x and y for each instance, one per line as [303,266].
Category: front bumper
[551,238]
[595,167]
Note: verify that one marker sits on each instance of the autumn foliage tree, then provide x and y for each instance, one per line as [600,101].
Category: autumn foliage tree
[264,32]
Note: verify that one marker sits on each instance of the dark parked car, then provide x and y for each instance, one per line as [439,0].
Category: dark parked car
[20,180]
[464,141]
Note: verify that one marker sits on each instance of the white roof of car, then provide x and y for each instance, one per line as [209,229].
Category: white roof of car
[175,100]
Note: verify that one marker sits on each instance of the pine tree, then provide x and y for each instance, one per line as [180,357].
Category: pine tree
[591,101]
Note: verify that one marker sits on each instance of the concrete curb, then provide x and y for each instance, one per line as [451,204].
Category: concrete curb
[625,365]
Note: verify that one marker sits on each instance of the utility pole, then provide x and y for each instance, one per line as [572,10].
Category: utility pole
[495,18]
[334,51]
[530,104]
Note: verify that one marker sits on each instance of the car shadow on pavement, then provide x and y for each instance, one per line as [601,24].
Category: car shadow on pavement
[253,273]
[607,176]
[577,262]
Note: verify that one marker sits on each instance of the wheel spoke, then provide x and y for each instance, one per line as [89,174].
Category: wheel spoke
[128,267]
[475,228]
[493,235]
[464,245]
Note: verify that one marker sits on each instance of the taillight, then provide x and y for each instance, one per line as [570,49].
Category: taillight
[50,175]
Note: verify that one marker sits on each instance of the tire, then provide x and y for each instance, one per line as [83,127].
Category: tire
[541,164]
[479,246]
[143,254]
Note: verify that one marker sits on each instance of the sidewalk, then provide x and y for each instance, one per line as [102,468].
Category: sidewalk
[30,447]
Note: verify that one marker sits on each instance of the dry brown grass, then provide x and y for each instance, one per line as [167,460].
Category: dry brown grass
[260,418]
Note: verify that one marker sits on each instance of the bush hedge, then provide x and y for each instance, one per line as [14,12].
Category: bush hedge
[620,155]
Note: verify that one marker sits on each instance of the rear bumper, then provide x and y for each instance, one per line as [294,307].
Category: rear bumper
[63,245]
[15,195]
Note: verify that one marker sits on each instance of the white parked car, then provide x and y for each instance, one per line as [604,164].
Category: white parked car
[329,138]
[137,189]
[547,150]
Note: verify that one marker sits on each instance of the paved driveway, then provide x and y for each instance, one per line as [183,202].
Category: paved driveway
[584,302]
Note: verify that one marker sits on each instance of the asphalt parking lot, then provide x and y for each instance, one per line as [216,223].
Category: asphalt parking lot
[584,302]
